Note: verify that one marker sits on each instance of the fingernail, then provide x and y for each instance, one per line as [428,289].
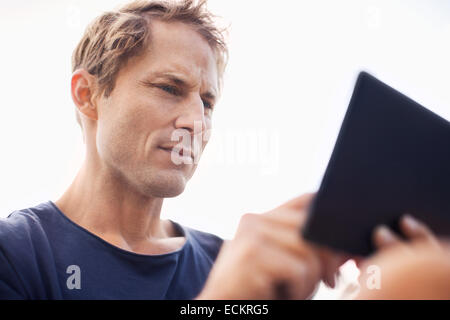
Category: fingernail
[410,222]
[385,234]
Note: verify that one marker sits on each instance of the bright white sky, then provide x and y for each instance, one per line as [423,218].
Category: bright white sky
[292,68]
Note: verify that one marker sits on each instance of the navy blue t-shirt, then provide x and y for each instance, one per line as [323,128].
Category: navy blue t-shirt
[45,255]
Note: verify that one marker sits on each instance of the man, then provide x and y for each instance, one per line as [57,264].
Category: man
[141,74]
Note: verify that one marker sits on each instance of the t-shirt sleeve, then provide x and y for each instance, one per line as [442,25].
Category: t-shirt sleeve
[10,286]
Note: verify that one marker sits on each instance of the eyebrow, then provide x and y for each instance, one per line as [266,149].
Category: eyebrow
[178,80]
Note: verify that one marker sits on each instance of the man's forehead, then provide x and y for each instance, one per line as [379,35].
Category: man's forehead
[180,39]
[176,49]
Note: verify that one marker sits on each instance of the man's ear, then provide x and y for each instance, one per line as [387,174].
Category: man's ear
[83,88]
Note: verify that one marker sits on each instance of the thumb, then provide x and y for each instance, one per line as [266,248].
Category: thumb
[298,203]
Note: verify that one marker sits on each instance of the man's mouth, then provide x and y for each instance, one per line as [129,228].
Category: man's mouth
[182,152]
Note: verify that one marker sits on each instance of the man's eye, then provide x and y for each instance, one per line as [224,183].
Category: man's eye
[169,89]
[207,105]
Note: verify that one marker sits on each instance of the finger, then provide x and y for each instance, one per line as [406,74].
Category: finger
[298,203]
[358,261]
[293,276]
[415,230]
[286,238]
[384,237]
[331,262]
[329,272]
[286,217]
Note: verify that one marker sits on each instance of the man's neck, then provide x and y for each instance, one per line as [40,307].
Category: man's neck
[100,202]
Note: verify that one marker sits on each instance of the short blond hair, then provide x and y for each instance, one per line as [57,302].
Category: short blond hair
[116,36]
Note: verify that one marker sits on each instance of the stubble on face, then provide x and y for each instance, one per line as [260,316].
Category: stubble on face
[141,113]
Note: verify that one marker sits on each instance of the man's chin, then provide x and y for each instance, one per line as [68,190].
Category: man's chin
[169,193]
[167,185]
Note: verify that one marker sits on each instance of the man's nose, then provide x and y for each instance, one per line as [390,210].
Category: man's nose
[191,116]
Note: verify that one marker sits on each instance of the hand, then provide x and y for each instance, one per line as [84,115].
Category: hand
[411,228]
[268,259]
[414,269]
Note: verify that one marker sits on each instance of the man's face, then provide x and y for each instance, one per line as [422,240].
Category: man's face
[170,87]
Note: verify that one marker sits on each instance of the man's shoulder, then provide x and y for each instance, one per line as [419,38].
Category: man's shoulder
[208,242]
[24,251]
[20,226]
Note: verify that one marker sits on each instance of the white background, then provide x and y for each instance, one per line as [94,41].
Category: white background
[292,68]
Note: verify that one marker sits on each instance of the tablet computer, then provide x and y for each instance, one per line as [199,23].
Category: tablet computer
[391,157]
